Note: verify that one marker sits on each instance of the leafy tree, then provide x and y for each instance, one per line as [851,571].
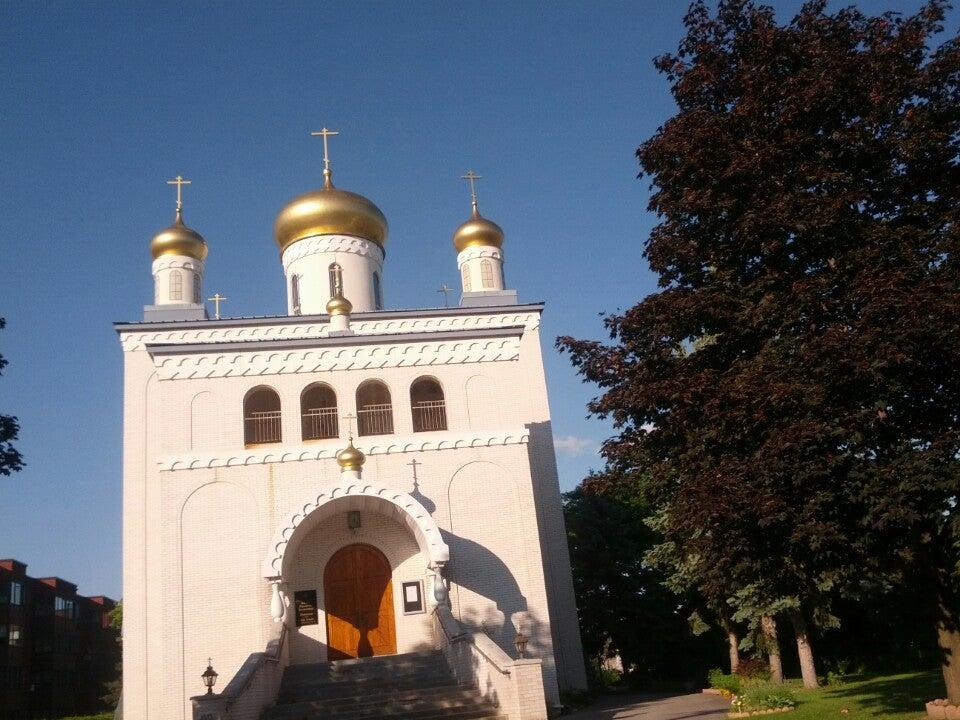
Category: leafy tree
[114,687]
[807,193]
[10,459]
[618,593]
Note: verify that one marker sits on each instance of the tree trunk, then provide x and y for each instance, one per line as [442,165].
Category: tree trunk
[733,642]
[769,627]
[804,649]
[948,638]
[734,650]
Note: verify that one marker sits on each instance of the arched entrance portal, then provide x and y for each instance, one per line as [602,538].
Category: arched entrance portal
[358,598]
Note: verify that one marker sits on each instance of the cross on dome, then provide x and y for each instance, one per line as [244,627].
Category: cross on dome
[472,177]
[179,181]
[327,172]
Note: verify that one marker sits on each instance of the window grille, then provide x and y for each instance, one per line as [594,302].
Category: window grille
[377,291]
[374,409]
[486,273]
[196,289]
[295,293]
[261,417]
[465,276]
[428,406]
[176,285]
[318,413]
[335,273]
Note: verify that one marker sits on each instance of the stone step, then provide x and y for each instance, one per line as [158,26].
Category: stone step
[411,686]
[471,712]
[408,676]
[363,690]
[442,694]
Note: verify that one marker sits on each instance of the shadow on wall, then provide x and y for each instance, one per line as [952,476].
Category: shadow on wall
[488,577]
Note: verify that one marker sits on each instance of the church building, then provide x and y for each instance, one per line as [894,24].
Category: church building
[345,492]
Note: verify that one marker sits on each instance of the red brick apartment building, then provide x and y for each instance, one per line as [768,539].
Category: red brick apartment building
[57,649]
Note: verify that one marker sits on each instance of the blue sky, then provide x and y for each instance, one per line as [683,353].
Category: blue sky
[101,103]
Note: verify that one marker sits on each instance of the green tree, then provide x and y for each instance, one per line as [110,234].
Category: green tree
[619,593]
[114,687]
[807,194]
[10,459]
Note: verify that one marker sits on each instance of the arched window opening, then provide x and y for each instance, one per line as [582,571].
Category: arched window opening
[465,276]
[176,285]
[377,291]
[261,417]
[335,273]
[295,293]
[429,408]
[374,409]
[196,289]
[486,273]
[318,412]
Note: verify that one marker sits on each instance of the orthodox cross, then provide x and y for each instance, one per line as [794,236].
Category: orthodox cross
[179,182]
[413,463]
[216,300]
[472,177]
[324,133]
[350,418]
[446,291]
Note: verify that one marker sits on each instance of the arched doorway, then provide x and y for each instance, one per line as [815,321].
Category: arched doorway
[358,600]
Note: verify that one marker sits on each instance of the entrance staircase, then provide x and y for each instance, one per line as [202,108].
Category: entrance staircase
[414,686]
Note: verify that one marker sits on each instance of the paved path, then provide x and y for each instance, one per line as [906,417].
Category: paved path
[655,707]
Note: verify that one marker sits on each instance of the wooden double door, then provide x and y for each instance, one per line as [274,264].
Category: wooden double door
[358,601]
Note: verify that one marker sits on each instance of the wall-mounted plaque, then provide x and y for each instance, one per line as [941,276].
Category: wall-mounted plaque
[412,597]
[305,606]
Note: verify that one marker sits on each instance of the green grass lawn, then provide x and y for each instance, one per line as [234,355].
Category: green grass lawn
[898,697]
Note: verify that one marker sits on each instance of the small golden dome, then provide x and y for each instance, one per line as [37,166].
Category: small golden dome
[477,231]
[339,305]
[329,211]
[178,239]
[350,458]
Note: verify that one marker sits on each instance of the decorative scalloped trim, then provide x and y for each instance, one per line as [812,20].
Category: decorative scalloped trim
[431,543]
[379,445]
[363,357]
[132,341]
[481,251]
[330,244]
[165,262]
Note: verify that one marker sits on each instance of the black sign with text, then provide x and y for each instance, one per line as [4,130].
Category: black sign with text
[305,604]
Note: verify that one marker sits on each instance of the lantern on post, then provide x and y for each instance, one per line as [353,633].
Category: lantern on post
[520,643]
[209,677]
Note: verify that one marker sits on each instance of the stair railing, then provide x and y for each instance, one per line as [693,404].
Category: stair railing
[516,686]
[253,688]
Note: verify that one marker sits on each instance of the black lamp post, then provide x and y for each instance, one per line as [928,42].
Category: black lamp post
[520,643]
[209,677]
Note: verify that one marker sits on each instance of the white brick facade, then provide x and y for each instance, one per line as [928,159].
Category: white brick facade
[200,509]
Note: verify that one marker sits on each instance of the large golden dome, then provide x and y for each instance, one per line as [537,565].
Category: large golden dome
[178,239]
[329,211]
[477,231]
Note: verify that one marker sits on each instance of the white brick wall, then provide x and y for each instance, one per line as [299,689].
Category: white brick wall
[194,539]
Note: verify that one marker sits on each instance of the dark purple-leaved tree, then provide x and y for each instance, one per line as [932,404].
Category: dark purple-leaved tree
[791,392]
[10,459]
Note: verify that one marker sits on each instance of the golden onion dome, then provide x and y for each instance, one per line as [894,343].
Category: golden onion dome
[329,211]
[350,458]
[178,239]
[339,305]
[477,231]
